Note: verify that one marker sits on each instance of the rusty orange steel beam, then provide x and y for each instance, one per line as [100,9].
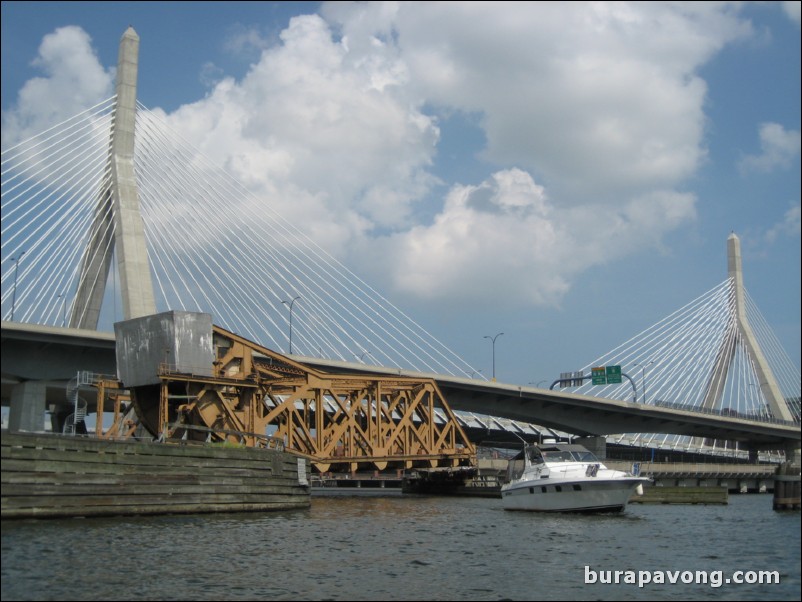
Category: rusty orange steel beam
[345,422]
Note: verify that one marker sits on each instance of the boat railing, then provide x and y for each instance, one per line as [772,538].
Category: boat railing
[574,468]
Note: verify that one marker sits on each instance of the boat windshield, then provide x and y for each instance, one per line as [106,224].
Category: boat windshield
[569,456]
[558,456]
[517,465]
[585,456]
[534,455]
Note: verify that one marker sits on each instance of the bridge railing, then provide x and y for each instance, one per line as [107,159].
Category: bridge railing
[726,412]
[695,469]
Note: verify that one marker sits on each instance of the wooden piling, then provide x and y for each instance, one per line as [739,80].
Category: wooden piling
[787,483]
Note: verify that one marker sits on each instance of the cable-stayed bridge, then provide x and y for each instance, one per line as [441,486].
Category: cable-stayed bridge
[93,215]
[212,247]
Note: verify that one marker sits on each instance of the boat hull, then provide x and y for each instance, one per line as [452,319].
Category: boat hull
[586,495]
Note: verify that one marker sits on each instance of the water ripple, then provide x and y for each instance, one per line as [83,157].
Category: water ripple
[400,548]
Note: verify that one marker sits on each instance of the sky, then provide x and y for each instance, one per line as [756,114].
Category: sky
[566,174]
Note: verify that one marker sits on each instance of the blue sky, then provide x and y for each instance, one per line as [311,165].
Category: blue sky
[564,173]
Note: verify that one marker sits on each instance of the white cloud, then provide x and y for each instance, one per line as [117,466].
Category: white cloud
[505,235]
[789,226]
[779,148]
[73,81]
[587,109]
[793,10]
[605,90]
[330,138]
[491,237]
[246,40]
[602,102]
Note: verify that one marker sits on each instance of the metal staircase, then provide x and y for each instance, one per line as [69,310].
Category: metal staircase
[79,405]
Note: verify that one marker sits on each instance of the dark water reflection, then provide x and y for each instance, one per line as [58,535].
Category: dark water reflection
[401,548]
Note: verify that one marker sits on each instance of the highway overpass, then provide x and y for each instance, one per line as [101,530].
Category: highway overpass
[38,361]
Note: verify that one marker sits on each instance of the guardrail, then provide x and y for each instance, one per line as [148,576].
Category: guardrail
[726,413]
[696,469]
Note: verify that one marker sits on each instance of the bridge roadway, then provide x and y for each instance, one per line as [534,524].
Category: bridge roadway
[54,355]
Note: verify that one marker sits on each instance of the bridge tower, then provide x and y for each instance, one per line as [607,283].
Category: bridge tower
[744,338]
[117,225]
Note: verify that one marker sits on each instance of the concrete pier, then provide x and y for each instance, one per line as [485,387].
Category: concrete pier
[27,408]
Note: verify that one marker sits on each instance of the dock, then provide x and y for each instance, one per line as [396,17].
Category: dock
[50,476]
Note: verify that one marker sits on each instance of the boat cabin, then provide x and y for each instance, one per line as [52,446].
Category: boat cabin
[535,455]
[567,452]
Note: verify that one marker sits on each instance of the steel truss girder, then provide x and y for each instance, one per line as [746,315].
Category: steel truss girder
[351,422]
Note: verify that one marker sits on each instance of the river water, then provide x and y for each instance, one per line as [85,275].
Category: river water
[409,548]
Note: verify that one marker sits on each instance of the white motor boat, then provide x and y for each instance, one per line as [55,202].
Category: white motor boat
[566,478]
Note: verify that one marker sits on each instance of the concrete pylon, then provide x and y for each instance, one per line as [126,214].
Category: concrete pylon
[743,337]
[118,213]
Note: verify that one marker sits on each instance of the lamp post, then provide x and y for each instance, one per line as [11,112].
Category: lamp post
[362,357]
[494,352]
[643,377]
[16,261]
[290,304]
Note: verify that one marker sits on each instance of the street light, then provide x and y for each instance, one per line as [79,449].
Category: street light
[16,261]
[290,304]
[362,357]
[494,352]
[643,377]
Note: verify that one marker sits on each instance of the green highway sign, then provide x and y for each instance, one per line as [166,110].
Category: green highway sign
[606,375]
[613,375]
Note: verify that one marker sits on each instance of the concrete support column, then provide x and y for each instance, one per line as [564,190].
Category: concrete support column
[118,206]
[792,453]
[596,445]
[766,381]
[132,257]
[27,409]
